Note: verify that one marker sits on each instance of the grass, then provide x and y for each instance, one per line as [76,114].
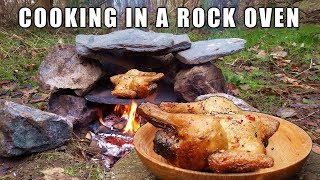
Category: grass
[21,52]
[303,45]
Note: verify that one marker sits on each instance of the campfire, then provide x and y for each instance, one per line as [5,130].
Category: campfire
[124,117]
[96,80]
[113,136]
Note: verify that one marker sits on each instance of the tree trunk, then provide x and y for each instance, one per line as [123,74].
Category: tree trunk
[47,4]
[65,3]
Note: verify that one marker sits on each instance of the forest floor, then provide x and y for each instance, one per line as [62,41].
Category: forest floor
[288,86]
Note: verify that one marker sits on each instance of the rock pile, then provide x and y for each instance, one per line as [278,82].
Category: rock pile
[187,65]
[71,71]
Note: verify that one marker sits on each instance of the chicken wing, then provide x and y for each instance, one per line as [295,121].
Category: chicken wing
[201,142]
[135,84]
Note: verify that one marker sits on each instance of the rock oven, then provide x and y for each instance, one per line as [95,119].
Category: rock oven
[79,77]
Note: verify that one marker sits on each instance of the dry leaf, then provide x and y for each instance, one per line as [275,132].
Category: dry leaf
[232,89]
[279,54]
[278,48]
[16,37]
[26,93]
[312,123]
[39,98]
[248,68]
[261,54]
[287,79]
[286,112]
[254,48]
[10,86]
[245,87]
[282,62]
[34,53]
[271,91]
[295,67]
[30,67]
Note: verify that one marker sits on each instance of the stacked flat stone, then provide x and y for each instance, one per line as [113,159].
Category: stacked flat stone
[196,77]
[79,67]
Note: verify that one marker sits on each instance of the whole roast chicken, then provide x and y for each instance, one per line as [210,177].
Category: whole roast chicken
[206,136]
[135,84]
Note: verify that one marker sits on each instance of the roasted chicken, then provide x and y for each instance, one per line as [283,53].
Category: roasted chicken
[135,84]
[212,105]
[210,141]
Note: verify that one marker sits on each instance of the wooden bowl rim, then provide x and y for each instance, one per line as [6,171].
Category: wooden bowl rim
[145,156]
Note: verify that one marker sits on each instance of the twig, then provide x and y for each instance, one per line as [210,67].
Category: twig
[232,64]
[310,67]
[308,115]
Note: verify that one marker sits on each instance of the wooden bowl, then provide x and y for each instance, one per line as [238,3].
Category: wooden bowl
[291,146]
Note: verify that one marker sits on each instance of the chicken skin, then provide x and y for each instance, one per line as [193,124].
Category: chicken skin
[135,84]
[212,105]
[220,143]
[220,107]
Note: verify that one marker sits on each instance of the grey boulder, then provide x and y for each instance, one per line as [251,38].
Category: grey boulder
[198,80]
[64,69]
[205,51]
[76,107]
[26,130]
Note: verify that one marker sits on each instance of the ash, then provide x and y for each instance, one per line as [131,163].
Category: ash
[113,147]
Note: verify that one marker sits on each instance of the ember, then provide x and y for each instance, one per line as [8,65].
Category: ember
[114,137]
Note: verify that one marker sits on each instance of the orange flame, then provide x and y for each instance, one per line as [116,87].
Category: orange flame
[129,112]
[100,116]
[132,125]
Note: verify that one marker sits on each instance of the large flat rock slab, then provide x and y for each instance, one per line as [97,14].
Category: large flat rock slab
[64,69]
[25,130]
[205,51]
[131,42]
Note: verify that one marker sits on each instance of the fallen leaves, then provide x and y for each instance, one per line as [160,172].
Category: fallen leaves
[245,87]
[295,82]
[27,94]
[272,91]
[39,98]
[316,148]
[286,113]
[248,68]
[261,54]
[232,89]
[282,62]
[279,54]
[286,79]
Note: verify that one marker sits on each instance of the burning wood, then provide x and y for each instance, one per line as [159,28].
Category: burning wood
[114,137]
